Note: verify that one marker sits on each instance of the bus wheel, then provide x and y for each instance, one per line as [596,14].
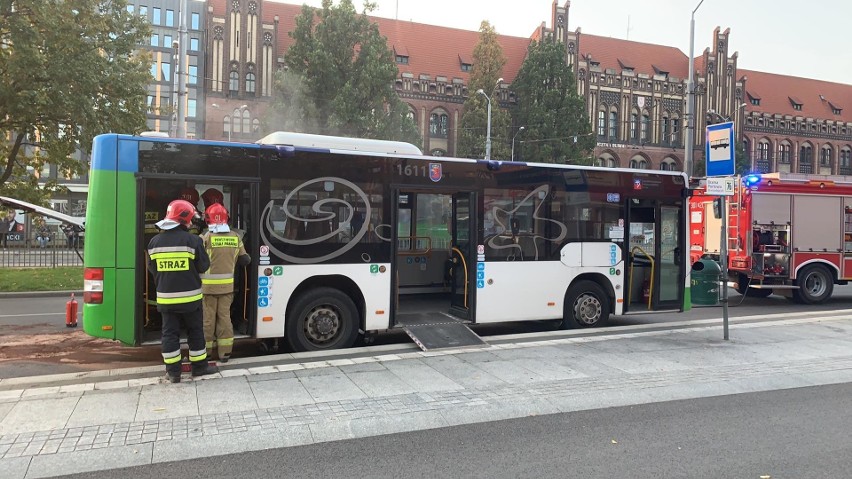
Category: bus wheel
[815,283]
[321,319]
[586,306]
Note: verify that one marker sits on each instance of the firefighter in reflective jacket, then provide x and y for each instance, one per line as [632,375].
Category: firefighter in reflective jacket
[226,251]
[176,258]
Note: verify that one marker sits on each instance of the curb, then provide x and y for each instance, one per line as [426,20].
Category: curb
[41,294]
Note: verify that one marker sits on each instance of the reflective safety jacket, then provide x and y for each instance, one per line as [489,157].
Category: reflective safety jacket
[226,250]
[176,259]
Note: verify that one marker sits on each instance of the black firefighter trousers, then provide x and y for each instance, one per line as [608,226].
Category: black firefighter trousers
[190,315]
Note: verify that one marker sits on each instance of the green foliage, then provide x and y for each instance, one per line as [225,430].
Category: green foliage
[339,79]
[64,278]
[554,115]
[488,61]
[68,72]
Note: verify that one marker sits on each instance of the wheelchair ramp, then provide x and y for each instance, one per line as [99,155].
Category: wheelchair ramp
[434,331]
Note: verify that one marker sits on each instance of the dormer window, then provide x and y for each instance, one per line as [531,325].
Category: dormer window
[797,104]
[400,54]
[466,67]
[835,109]
[755,101]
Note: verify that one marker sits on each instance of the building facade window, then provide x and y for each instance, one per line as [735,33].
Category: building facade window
[825,156]
[646,125]
[155,40]
[226,124]
[170,18]
[762,150]
[402,59]
[846,161]
[634,126]
[438,125]
[192,78]
[613,125]
[165,71]
[675,131]
[666,131]
[669,164]
[191,107]
[601,123]
[196,21]
[806,159]
[167,41]
[784,153]
[234,82]
[193,44]
[250,82]
[143,11]
[155,16]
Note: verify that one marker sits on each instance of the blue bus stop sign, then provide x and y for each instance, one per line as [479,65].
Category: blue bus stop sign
[719,149]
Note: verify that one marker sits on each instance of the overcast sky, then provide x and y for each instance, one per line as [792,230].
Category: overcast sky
[803,38]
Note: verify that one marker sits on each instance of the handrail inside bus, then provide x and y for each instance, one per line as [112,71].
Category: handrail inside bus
[651,282]
[464,266]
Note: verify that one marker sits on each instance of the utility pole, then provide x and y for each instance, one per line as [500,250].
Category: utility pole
[690,102]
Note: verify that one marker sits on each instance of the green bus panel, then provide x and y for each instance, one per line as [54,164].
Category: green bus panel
[99,319]
[126,300]
[127,252]
[101,221]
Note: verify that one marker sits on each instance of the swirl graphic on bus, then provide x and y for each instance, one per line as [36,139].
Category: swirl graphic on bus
[311,228]
[508,222]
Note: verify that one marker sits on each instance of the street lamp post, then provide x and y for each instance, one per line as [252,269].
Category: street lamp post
[513,141]
[690,102]
[181,70]
[488,127]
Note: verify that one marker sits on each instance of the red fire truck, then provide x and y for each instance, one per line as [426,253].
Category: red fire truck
[705,229]
[791,235]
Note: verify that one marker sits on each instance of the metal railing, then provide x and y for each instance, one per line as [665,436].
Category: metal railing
[29,253]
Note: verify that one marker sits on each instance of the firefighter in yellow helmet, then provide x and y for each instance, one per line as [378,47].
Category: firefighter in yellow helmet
[226,251]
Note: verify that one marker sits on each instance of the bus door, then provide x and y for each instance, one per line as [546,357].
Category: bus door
[433,263]
[463,260]
[240,197]
[655,269]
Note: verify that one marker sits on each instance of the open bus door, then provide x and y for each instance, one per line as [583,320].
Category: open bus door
[435,315]
[240,197]
[655,268]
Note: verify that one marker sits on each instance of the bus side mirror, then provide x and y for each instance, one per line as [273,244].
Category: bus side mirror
[717,208]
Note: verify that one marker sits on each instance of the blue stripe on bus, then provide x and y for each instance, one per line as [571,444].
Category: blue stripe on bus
[128,155]
[103,152]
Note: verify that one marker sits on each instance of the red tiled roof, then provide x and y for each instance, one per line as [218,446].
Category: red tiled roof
[644,57]
[432,50]
[778,90]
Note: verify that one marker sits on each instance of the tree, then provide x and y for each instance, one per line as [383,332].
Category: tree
[340,78]
[488,61]
[557,128]
[68,72]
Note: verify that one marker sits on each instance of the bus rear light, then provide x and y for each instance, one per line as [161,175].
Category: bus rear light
[93,285]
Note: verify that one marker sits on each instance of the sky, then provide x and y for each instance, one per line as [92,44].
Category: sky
[808,39]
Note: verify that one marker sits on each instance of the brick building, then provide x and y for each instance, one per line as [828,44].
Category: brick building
[635,92]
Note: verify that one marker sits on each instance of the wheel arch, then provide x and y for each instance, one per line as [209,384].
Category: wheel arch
[832,268]
[601,280]
[336,281]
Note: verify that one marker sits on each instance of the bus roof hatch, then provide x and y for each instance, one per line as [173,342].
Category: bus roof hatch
[340,143]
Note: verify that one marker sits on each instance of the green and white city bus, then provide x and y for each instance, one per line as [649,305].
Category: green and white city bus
[350,237]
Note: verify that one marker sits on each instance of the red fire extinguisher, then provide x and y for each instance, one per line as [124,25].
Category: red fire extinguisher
[646,290]
[71,313]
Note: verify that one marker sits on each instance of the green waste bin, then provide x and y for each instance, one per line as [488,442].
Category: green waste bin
[705,282]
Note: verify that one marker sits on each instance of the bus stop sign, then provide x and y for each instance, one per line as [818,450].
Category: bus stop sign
[719,149]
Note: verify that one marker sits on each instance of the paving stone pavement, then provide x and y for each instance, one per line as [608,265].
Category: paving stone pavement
[54,430]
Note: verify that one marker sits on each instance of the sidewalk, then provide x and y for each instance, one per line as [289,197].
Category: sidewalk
[90,426]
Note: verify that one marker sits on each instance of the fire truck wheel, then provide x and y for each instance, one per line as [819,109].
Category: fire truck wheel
[586,306]
[815,283]
[322,319]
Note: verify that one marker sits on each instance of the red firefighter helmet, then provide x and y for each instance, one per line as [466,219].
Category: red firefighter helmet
[212,196]
[216,214]
[189,194]
[181,211]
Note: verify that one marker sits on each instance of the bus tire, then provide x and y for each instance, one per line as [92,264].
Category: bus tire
[586,306]
[322,319]
[815,282]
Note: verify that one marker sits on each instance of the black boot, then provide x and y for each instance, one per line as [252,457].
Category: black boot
[224,358]
[205,370]
[173,379]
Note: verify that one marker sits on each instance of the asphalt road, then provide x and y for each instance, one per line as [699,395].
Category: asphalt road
[794,433]
[35,341]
